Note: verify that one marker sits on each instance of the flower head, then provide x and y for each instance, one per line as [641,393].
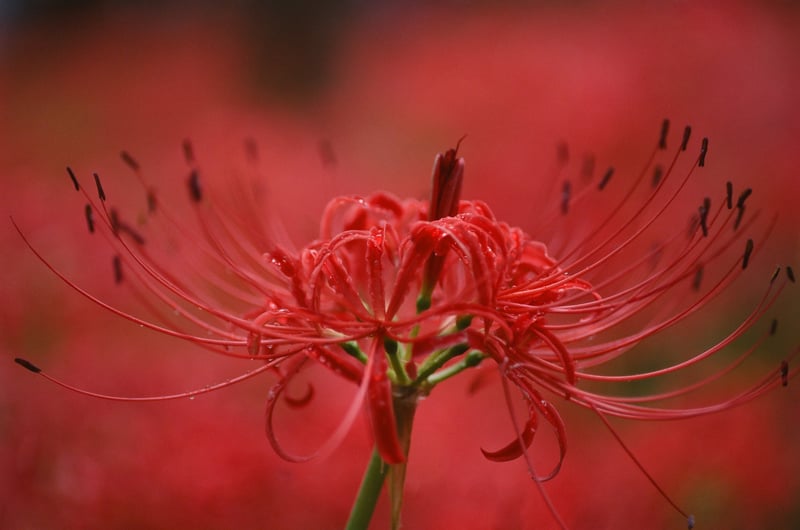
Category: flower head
[398,296]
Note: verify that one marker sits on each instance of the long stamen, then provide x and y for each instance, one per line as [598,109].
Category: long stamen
[641,466]
[166,397]
[550,316]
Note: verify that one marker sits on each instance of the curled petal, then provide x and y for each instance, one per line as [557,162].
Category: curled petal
[536,406]
[552,417]
[386,201]
[518,445]
[339,433]
[301,401]
[272,398]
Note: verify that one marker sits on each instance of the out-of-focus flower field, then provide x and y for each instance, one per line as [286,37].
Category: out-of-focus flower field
[350,100]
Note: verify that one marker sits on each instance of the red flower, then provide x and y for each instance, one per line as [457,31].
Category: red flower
[397,296]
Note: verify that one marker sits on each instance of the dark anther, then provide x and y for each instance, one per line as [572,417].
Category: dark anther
[740,206]
[690,522]
[790,273]
[607,177]
[251,150]
[100,192]
[152,202]
[587,169]
[729,194]
[748,250]
[89,217]
[28,365]
[784,373]
[739,216]
[129,160]
[698,278]
[194,186]
[662,139]
[74,180]
[117,264]
[703,151]
[188,152]
[562,153]
[775,275]
[658,173]
[703,210]
[113,217]
[566,192]
[687,132]
[743,197]
[773,327]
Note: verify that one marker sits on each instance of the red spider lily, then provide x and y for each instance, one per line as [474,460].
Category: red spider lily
[398,296]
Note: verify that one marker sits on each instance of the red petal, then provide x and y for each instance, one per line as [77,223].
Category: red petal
[375,272]
[558,348]
[380,410]
[422,240]
[338,365]
[515,449]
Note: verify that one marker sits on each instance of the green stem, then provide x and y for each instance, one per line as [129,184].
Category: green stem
[368,493]
[392,348]
[437,360]
[405,405]
[473,358]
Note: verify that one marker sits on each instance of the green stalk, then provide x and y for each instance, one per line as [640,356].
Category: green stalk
[473,358]
[368,493]
[404,408]
[437,360]
[405,404]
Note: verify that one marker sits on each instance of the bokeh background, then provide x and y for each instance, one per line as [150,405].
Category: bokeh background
[351,97]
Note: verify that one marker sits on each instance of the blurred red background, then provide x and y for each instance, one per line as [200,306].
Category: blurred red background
[387,86]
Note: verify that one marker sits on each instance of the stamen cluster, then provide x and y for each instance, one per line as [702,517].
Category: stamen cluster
[397,296]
